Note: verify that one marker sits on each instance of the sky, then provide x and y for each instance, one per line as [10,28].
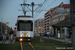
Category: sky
[9,9]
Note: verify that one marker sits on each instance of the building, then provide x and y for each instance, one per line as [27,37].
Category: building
[56,15]
[4,27]
[63,28]
[39,25]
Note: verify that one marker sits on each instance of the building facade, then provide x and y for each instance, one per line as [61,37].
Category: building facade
[4,28]
[55,15]
[39,25]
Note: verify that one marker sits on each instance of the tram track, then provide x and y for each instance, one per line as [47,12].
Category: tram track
[21,46]
[32,46]
[29,44]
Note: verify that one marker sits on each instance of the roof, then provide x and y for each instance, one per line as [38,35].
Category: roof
[65,5]
[65,22]
[24,16]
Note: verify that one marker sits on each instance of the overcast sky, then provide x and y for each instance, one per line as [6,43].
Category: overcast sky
[9,9]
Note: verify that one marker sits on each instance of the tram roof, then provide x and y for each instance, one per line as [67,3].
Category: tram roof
[24,16]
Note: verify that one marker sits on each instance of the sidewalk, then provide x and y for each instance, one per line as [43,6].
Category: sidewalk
[8,41]
[62,40]
[57,39]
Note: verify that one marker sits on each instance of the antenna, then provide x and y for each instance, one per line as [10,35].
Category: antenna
[24,7]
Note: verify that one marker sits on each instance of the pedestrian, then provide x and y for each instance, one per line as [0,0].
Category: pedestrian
[11,34]
[40,34]
[48,34]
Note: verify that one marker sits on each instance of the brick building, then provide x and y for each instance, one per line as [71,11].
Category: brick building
[39,25]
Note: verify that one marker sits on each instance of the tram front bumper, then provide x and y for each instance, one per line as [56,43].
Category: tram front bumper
[24,38]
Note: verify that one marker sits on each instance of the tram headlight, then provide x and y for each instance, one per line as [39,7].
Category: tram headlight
[28,35]
[28,39]
[21,35]
[21,39]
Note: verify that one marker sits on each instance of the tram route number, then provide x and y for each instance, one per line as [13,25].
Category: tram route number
[25,34]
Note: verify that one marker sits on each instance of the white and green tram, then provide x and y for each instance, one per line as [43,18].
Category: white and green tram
[24,28]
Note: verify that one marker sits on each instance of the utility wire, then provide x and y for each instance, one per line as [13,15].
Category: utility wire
[39,10]
[40,5]
[50,4]
[45,8]
[36,15]
[43,4]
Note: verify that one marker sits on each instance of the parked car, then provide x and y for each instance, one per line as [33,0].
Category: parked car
[1,36]
[44,34]
[51,34]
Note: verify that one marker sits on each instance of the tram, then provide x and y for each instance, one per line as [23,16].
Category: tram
[24,28]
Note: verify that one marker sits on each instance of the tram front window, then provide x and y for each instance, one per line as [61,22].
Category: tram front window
[25,26]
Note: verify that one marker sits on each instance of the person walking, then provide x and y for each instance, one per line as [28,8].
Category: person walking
[11,35]
[48,34]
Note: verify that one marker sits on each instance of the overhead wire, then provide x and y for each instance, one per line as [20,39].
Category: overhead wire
[39,10]
[45,8]
[50,4]
[36,15]
[43,4]
[40,5]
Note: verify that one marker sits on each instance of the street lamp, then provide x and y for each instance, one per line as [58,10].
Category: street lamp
[1,24]
[40,29]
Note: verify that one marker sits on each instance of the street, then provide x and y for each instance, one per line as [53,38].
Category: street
[42,25]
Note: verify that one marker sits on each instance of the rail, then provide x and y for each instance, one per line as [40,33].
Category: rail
[29,44]
[21,46]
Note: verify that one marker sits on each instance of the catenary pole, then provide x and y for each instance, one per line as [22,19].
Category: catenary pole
[32,14]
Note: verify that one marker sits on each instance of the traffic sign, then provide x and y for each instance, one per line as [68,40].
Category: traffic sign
[14,28]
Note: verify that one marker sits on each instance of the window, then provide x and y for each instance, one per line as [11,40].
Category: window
[25,26]
[58,19]
[63,18]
